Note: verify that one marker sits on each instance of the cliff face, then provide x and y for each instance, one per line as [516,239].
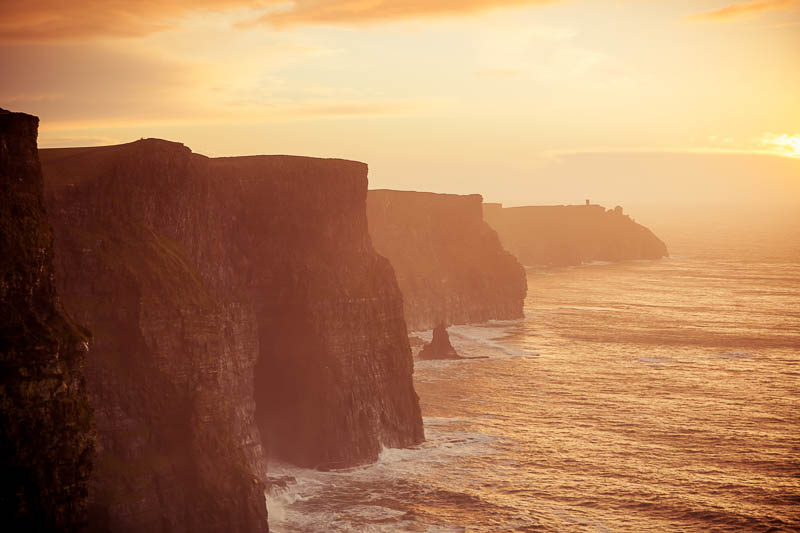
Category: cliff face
[140,259]
[334,379]
[234,302]
[449,263]
[572,234]
[46,431]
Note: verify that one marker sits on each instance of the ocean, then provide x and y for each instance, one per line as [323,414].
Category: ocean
[638,396]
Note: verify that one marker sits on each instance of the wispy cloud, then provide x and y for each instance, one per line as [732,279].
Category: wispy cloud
[57,20]
[49,140]
[498,73]
[771,144]
[335,12]
[742,8]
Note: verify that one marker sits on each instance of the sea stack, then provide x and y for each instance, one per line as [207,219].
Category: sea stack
[46,422]
[439,347]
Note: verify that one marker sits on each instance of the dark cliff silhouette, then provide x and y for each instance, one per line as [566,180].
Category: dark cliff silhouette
[237,306]
[46,427]
[571,234]
[449,262]
[439,347]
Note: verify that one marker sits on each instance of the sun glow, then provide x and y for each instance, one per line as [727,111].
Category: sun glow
[784,144]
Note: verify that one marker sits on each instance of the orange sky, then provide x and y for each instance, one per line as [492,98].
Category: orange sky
[524,101]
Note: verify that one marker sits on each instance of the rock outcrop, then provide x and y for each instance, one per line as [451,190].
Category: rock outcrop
[237,306]
[46,426]
[449,263]
[439,347]
[558,235]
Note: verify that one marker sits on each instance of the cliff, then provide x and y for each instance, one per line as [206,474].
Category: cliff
[571,234]
[237,305]
[449,263]
[46,430]
[171,370]
[334,379]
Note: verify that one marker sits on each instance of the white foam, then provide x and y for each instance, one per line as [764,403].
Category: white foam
[486,337]
[733,355]
[590,308]
[300,505]
[652,360]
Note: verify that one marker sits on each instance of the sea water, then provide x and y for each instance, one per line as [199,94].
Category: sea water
[637,396]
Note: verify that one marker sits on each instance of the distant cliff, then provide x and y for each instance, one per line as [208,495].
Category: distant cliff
[237,305]
[571,234]
[46,429]
[449,263]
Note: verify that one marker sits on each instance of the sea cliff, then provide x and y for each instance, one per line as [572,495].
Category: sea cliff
[239,312]
[46,424]
[449,263]
[559,235]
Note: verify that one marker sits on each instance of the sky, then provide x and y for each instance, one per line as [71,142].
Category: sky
[524,101]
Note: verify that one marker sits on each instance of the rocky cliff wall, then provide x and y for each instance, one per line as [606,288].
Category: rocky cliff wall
[237,304]
[141,259]
[571,234]
[46,428]
[334,380]
[449,263]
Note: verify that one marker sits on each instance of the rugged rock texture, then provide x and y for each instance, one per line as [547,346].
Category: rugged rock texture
[140,259]
[46,429]
[571,234]
[334,379]
[234,301]
[439,347]
[449,263]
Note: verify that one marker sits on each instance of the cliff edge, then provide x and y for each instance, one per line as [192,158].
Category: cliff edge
[558,235]
[240,313]
[449,263]
[46,428]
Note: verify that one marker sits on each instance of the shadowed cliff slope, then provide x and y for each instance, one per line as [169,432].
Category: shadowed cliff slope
[46,431]
[235,302]
[140,255]
[449,263]
[334,380]
[571,234]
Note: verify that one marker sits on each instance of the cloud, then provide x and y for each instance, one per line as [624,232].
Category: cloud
[78,82]
[59,20]
[47,140]
[364,11]
[497,73]
[96,85]
[743,8]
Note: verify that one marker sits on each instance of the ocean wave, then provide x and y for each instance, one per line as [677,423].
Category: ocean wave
[371,498]
[485,340]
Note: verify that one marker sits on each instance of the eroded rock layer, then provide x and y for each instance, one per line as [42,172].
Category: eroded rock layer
[140,257]
[334,380]
[571,234]
[236,305]
[449,263]
[46,429]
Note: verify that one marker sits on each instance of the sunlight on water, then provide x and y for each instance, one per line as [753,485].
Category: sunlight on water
[643,396]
